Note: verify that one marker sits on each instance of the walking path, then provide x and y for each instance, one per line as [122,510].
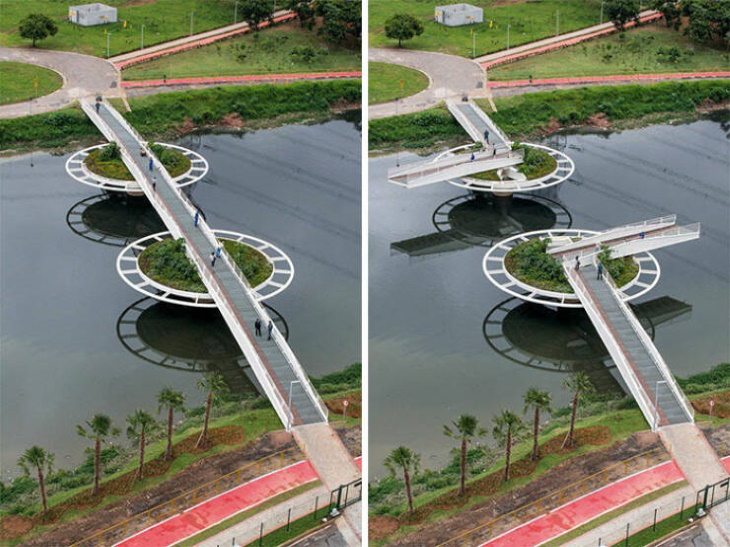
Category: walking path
[84,77]
[251,78]
[607,79]
[582,510]
[190,42]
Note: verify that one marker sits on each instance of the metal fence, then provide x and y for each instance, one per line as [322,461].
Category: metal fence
[346,495]
[508,521]
[714,494]
[151,516]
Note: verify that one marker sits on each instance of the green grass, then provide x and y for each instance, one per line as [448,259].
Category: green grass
[529,21]
[162,115]
[636,52]
[18,82]
[537,164]
[164,20]
[244,515]
[607,517]
[388,82]
[282,535]
[649,535]
[271,53]
[174,161]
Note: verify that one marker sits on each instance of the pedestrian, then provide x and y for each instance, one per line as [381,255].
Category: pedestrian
[196,219]
[154,183]
[212,259]
[494,151]
[164,79]
[473,157]
[530,79]
[257,326]
[218,252]
[98,105]
[270,327]
[486,137]
[600,271]
[152,164]
[642,235]
[577,263]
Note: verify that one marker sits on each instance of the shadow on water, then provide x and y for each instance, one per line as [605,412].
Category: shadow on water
[190,340]
[482,220]
[564,340]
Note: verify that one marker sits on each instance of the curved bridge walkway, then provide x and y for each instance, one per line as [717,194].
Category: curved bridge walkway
[277,369]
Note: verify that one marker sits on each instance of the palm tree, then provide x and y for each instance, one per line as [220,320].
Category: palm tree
[214,384]
[465,429]
[507,425]
[408,461]
[42,461]
[100,427]
[140,424]
[579,384]
[538,400]
[173,400]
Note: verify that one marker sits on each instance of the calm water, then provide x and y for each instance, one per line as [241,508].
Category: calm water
[444,341]
[76,340]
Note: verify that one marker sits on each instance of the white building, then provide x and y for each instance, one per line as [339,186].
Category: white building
[89,15]
[457,15]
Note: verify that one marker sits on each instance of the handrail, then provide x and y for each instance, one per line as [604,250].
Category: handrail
[651,349]
[490,122]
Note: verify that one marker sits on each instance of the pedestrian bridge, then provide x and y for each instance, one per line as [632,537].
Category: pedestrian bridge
[278,371]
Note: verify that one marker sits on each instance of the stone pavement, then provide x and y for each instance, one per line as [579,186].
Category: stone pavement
[449,76]
[84,76]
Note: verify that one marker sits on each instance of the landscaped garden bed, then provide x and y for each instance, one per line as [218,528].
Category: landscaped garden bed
[166,263]
[536,165]
[107,161]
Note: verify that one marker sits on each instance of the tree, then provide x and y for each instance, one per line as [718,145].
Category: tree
[37,27]
[465,429]
[42,461]
[100,427]
[255,12]
[304,11]
[409,462]
[340,19]
[507,425]
[538,400]
[215,385]
[140,424]
[579,384]
[670,11]
[403,26]
[173,400]
[708,20]
[622,11]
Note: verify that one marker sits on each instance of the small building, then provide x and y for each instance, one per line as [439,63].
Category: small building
[89,15]
[457,15]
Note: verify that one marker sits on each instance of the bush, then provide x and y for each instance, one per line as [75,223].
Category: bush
[110,152]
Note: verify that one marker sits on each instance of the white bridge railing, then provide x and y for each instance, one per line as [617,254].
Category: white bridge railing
[207,275]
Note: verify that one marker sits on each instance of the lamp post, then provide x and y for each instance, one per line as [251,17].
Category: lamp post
[191,23]
[473,45]
[601,12]
[108,34]
[508,27]
[141,45]
[656,403]
[557,22]
[291,416]
[235,13]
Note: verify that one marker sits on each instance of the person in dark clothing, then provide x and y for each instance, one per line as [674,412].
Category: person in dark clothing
[212,259]
[257,326]
[577,263]
[600,271]
[270,327]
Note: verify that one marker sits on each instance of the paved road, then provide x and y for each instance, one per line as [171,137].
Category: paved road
[83,76]
[449,76]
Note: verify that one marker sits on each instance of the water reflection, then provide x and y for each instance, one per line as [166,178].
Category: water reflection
[564,340]
[481,220]
[189,339]
[114,219]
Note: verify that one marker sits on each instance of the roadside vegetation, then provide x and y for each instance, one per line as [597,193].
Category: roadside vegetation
[527,21]
[596,421]
[235,421]
[285,49]
[21,82]
[388,82]
[538,114]
[173,114]
[652,49]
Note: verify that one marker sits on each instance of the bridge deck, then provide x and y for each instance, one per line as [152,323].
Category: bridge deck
[476,122]
[272,360]
[639,362]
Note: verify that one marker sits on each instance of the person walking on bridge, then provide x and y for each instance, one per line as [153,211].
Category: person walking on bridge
[599,275]
[270,327]
[577,263]
[212,259]
[196,218]
[257,326]
[152,164]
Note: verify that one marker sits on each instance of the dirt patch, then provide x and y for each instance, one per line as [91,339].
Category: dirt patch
[200,473]
[15,526]
[599,120]
[719,439]
[560,476]
[232,120]
[721,409]
[354,405]
[351,437]
[186,127]
[381,527]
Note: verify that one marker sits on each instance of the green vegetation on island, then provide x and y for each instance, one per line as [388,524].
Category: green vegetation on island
[535,114]
[167,115]
[388,82]
[166,263]
[536,164]
[107,161]
[21,82]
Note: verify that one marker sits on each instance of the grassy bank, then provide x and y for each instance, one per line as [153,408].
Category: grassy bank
[284,49]
[388,82]
[646,50]
[170,114]
[534,114]
[21,82]
[528,21]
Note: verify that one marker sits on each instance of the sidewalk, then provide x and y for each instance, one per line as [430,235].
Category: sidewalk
[607,79]
[251,78]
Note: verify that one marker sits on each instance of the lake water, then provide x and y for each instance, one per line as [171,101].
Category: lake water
[76,340]
[444,341]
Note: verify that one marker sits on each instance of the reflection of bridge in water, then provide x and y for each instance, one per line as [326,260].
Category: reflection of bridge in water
[468,221]
[189,339]
[564,340]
